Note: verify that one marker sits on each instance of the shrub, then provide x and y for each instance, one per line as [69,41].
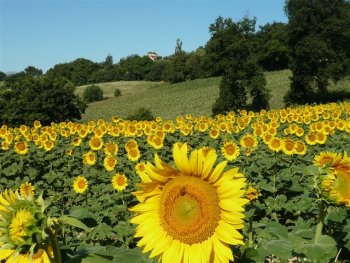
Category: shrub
[117,92]
[39,98]
[141,114]
[93,93]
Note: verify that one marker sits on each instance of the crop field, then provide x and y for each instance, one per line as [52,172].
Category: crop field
[170,100]
[268,186]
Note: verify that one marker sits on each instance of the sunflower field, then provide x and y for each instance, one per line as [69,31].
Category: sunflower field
[268,186]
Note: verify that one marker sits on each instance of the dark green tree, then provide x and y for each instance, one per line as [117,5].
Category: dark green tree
[78,71]
[92,93]
[217,51]
[157,70]
[176,66]
[319,37]
[2,76]
[33,71]
[135,67]
[43,98]
[272,46]
[243,78]
[195,64]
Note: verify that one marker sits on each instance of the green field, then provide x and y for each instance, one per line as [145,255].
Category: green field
[170,100]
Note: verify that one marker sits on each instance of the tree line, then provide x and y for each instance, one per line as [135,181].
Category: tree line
[270,42]
[314,45]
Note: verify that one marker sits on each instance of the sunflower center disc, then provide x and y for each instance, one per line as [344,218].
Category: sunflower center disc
[189,209]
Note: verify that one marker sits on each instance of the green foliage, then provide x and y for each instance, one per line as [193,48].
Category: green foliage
[141,114]
[242,74]
[33,71]
[117,92]
[135,67]
[2,76]
[176,66]
[319,36]
[272,46]
[92,93]
[77,71]
[39,98]
[157,70]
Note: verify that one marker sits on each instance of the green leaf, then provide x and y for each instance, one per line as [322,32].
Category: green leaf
[321,251]
[277,229]
[73,222]
[279,247]
[310,170]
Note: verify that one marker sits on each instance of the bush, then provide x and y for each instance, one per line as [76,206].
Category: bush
[39,98]
[117,93]
[93,93]
[141,114]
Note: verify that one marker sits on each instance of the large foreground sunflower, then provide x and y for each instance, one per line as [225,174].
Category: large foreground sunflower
[21,229]
[191,213]
[336,183]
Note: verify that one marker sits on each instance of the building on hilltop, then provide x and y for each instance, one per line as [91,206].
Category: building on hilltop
[152,55]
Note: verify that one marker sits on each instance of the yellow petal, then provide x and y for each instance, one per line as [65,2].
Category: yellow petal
[4,253]
[217,172]
[180,159]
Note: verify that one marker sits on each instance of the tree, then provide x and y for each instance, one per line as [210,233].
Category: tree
[176,68]
[319,37]
[195,64]
[217,56]
[273,49]
[2,76]
[93,93]
[108,61]
[242,77]
[43,98]
[33,71]
[135,67]
[78,71]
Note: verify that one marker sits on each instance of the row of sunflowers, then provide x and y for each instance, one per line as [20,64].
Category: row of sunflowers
[268,186]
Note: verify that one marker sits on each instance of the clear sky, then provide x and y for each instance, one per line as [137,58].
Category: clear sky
[43,33]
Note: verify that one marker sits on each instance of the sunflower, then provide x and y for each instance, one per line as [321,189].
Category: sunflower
[214,133]
[192,213]
[251,193]
[230,150]
[119,182]
[288,146]
[311,138]
[321,138]
[80,185]
[21,147]
[275,144]
[22,229]
[96,143]
[27,190]
[336,185]
[109,163]
[300,147]
[248,141]
[326,158]
[89,158]
[134,155]
[76,141]
[131,144]
[111,148]
[48,145]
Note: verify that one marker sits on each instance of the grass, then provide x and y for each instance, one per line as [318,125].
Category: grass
[170,100]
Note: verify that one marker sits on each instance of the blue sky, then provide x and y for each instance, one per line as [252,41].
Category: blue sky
[43,33]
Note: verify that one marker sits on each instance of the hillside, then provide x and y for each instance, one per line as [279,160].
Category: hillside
[170,100]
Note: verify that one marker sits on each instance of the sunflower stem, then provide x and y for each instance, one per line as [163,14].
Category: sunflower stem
[321,215]
[55,246]
[250,232]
